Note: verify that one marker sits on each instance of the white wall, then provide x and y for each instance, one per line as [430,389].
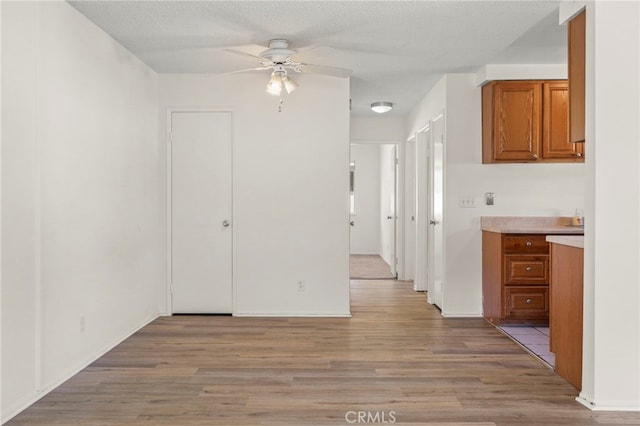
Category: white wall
[365,234]
[19,176]
[428,108]
[377,128]
[82,208]
[520,189]
[290,186]
[611,348]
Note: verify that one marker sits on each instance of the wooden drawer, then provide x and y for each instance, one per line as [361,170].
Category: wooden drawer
[526,302]
[525,244]
[526,269]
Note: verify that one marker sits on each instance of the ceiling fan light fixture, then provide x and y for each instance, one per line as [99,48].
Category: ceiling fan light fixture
[274,86]
[381,107]
[289,84]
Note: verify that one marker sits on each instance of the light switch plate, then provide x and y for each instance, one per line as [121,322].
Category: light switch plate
[467,203]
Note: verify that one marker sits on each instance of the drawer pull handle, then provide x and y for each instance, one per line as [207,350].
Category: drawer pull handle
[528,269]
[529,243]
[528,301]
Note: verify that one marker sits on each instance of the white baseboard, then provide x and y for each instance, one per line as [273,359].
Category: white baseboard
[292,314]
[461,315]
[591,405]
[32,398]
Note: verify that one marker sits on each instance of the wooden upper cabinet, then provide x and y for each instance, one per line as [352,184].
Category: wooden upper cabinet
[555,132]
[576,69]
[516,121]
[527,121]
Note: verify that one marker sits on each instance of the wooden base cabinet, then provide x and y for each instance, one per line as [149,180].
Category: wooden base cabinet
[515,278]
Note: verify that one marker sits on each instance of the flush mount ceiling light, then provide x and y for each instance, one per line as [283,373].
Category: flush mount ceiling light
[381,107]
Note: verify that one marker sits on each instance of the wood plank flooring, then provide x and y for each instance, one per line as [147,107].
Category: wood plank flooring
[395,361]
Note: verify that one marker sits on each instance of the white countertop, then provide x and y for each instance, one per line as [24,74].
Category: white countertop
[530,225]
[567,240]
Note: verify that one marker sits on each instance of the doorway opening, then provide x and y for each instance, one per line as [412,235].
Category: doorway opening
[373,219]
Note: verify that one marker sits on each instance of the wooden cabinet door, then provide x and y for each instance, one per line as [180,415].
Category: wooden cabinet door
[576,68]
[555,131]
[566,313]
[517,122]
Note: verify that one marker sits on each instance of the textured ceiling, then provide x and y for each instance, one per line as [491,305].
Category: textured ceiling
[396,49]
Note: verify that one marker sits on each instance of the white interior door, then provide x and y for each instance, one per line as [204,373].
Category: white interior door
[201,190]
[365,199]
[388,177]
[410,211]
[435,234]
[423,173]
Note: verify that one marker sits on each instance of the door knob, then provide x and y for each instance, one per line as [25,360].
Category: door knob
[225,223]
[433,222]
[389,217]
[352,223]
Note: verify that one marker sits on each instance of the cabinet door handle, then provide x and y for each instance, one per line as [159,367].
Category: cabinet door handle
[535,156]
[528,301]
[578,154]
[529,243]
[528,269]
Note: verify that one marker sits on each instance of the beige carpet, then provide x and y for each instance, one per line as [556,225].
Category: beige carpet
[369,267]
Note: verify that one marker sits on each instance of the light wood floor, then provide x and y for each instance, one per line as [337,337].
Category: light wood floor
[397,354]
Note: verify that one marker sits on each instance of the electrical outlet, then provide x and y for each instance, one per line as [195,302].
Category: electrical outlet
[467,203]
[301,285]
[489,198]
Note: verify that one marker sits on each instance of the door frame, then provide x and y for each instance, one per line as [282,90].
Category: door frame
[399,200]
[422,157]
[409,191]
[168,299]
[435,293]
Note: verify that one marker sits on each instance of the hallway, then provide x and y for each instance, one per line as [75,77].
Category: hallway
[396,358]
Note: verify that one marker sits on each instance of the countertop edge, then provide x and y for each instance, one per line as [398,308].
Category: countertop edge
[561,230]
[530,225]
[567,240]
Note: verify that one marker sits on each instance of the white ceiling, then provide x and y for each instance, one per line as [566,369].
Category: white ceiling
[396,49]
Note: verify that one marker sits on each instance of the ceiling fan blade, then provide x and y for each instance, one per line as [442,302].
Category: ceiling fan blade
[323,69]
[240,52]
[250,70]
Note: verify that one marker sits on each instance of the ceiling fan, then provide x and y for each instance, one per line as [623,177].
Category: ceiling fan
[279,59]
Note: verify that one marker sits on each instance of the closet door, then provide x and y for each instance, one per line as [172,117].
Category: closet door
[201,200]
